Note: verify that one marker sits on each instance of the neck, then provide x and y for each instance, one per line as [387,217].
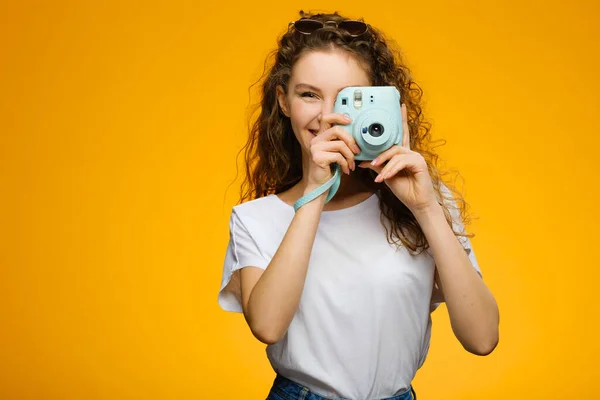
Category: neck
[350,185]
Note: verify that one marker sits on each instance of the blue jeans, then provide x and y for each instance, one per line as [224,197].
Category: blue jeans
[285,389]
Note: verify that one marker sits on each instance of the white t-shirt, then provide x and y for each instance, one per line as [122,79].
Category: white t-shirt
[363,325]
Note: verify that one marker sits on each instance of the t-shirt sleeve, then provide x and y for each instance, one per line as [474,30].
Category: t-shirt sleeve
[437,296]
[242,251]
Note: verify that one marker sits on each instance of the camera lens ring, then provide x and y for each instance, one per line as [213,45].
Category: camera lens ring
[376,129]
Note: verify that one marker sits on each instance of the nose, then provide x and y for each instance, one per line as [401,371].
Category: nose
[327,108]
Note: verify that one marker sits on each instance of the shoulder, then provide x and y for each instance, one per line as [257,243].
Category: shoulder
[260,210]
[260,224]
[258,206]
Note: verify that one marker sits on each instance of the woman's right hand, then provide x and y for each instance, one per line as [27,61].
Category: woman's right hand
[333,144]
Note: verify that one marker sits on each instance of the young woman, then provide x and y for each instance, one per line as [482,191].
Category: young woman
[342,291]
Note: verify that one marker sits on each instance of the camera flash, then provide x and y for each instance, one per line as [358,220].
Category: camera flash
[358,98]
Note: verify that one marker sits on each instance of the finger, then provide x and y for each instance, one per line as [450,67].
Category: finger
[391,167]
[340,147]
[335,118]
[399,166]
[388,154]
[338,132]
[390,164]
[327,153]
[342,162]
[325,159]
[367,165]
[405,129]
[412,162]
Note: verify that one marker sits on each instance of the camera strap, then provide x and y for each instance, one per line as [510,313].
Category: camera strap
[332,184]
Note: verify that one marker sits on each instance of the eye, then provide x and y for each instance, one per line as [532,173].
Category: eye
[309,95]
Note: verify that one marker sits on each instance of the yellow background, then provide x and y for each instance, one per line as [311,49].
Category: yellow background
[119,125]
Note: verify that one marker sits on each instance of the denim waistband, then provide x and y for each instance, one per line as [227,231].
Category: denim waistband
[286,389]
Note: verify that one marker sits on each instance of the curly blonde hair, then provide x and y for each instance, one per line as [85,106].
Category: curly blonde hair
[273,160]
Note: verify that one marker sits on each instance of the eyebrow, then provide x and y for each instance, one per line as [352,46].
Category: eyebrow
[306,85]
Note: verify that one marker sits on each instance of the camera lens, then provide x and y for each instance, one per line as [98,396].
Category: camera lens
[376,130]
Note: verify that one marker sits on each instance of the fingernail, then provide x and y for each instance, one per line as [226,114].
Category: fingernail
[356,149]
[374,162]
[347,118]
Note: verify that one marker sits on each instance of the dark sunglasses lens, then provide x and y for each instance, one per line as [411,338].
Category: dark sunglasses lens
[307,25]
[354,28]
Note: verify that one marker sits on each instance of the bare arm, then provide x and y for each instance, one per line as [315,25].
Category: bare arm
[471,306]
[270,298]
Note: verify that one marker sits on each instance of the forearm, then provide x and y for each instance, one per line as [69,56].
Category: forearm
[275,297]
[471,306]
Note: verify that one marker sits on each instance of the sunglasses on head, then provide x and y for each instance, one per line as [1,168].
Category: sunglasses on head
[306,26]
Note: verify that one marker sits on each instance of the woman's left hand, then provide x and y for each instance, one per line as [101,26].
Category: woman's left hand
[405,173]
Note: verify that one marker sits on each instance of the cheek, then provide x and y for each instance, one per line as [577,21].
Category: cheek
[302,113]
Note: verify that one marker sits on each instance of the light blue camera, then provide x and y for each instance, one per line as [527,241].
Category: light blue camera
[376,117]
